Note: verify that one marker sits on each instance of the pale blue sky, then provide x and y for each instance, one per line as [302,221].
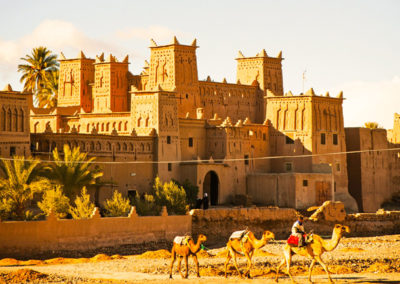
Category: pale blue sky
[349,45]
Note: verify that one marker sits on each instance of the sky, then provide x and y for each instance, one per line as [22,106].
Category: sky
[349,46]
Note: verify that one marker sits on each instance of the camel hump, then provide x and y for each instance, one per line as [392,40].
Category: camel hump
[238,234]
[182,240]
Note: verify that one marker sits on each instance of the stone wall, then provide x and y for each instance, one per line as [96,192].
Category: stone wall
[35,237]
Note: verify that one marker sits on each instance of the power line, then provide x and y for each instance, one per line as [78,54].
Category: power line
[214,160]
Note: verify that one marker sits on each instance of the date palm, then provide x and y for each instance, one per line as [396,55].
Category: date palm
[20,183]
[73,171]
[47,97]
[35,73]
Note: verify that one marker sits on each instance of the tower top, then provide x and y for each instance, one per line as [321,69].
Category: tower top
[174,42]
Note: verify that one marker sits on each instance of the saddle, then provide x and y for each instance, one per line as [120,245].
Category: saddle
[294,240]
[182,240]
[238,235]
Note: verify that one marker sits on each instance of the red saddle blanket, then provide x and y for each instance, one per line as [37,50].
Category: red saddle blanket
[293,240]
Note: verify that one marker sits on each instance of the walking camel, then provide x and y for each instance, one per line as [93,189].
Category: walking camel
[183,248]
[246,246]
[314,250]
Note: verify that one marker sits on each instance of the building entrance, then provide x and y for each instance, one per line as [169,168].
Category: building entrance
[211,187]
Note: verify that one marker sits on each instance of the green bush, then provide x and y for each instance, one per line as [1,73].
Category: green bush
[117,206]
[170,195]
[84,208]
[191,192]
[146,205]
[54,200]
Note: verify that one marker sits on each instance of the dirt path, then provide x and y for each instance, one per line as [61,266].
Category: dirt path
[355,260]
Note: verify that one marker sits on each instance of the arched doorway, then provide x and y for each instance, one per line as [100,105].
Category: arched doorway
[210,186]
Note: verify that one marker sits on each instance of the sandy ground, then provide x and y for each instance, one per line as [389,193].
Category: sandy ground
[355,260]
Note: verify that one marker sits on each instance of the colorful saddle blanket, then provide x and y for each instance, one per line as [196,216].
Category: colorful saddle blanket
[182,240]
[238,234]
[294,240]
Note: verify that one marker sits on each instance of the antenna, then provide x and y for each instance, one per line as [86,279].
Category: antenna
[304,78]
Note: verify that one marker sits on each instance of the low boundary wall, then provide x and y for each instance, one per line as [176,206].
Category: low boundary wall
[33,237]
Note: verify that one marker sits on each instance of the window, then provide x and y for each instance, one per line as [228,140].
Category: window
[187,96]
[169,167]
[168,139]
[131,194]
[264,136]
[335,139]
[288,167]
[338,167]
[323,138]
[246,159]
[305,182]
[190,141]
[12,151]
[289,140]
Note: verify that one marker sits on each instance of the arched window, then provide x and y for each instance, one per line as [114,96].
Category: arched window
[114,125]
[118,147]
[130,147]
[108,126]
[126,126]
[138,121]
[124,147]
[108,146]
[147,122]
[15,120]
[9,120]
[3,119]
[141,147]
[21,118]
[102,127]
[98,146]
[120,126]
[87,127]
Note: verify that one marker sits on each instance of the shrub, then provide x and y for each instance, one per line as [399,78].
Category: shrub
[84,208]
[170,195]
[54,200]
[191,192]
[146,205]
[117,206]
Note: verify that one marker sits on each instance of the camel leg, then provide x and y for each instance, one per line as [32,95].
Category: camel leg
[278,268]
[196,261]
[187,265]
[173,255]
[179,266]
[228,258]
[236,265]
[311,268]
[288,256]
[318,258]
[248,257]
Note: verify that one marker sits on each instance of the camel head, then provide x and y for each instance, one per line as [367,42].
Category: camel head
[202,238]
[267,235]
[341,229]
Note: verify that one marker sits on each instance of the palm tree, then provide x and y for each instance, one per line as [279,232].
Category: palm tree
[35,74]
[22,181]
[73,171]
[47,97]
[372,125]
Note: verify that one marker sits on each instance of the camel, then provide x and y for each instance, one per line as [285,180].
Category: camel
[314,250]
[246,246]
[184,251]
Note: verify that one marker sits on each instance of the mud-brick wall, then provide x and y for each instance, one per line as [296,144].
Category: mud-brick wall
[25,238]
[374,224]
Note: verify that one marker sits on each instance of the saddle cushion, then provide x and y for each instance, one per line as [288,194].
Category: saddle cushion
[181,240]
[294,240]
[238,234]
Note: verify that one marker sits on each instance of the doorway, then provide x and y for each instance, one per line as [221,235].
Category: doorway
[211,186]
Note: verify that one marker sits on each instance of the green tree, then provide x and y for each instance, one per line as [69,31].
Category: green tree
[55,201]
[83,206]
[117,205]
[35,71]
[47,97]
[191,191]
[73,171]
[170,195]
[19,186]
[372,125]
[146,205]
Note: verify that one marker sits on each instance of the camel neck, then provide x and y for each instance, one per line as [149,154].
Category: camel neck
[333,242]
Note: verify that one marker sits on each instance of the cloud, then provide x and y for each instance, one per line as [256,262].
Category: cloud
[57,36]
[371,101]
[156,32]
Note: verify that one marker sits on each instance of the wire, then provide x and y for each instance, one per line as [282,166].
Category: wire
[210,160]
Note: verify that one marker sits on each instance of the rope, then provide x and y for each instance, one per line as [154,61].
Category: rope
[215,160]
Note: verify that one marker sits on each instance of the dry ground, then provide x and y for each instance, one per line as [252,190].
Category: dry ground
[355,260]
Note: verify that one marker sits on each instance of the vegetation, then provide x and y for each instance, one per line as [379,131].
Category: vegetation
[191,191]
[146,205]
[170,195]
[372,125]
[73,171]
[54,201]
[39,74]
[19,186]
[117,206]
[83,207]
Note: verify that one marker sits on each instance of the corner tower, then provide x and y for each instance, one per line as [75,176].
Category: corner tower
[262,68]
[76,76]
[173,67]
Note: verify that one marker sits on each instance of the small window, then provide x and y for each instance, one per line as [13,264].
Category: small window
[190,141]
[338,167]
[323,138]
[169,167]
[305,182]
[131,194]
[12,151]
[264,136]
[246,159]
[335,139]
[168,139]
[288,167]
[187,96]
[289,140]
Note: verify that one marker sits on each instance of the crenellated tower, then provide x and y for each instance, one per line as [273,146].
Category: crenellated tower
[173,67]
[110,90]
[266,70]
[75,78]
